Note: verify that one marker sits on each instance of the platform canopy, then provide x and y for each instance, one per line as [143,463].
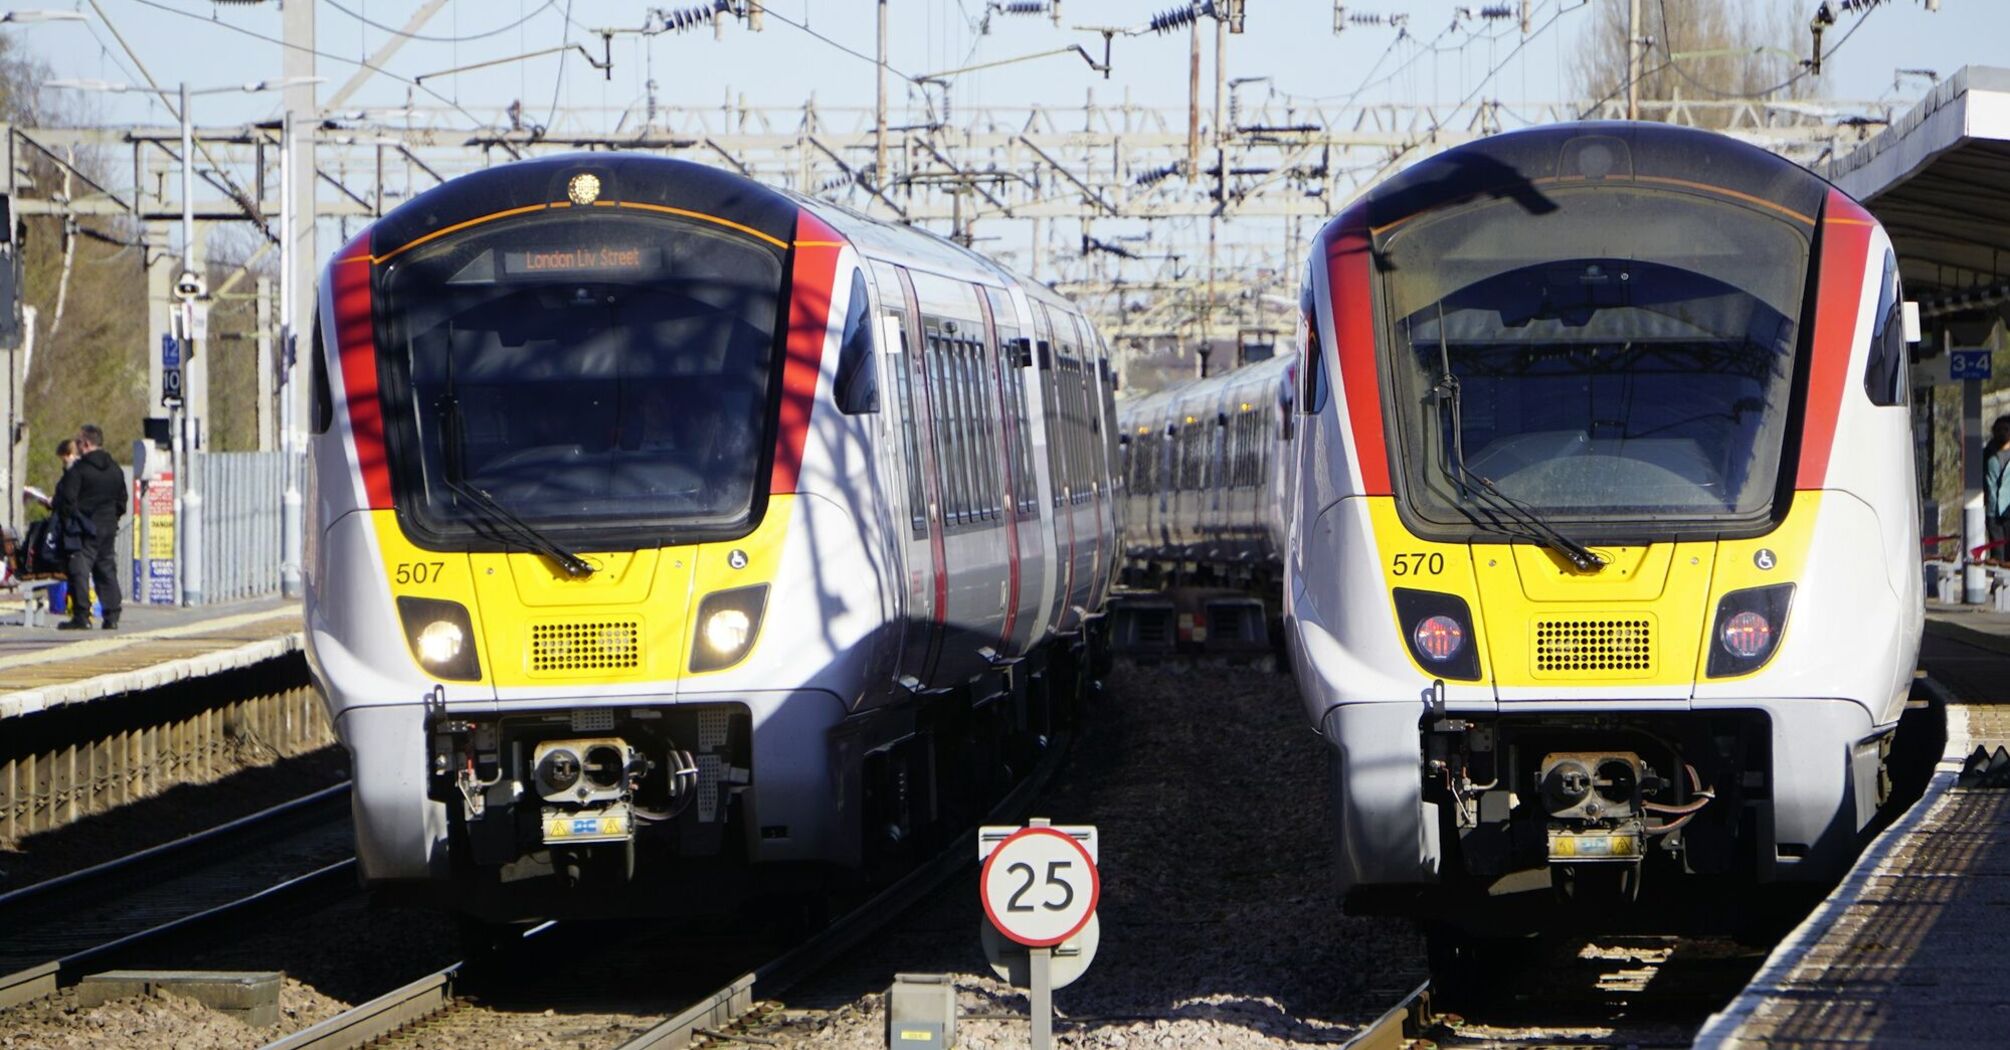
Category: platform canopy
[1939,180]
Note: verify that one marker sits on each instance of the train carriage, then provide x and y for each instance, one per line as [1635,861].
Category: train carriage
[1206,465]
[668,529]
[1604,532]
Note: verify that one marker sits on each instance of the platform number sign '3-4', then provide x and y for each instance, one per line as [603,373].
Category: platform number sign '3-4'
[1039,887]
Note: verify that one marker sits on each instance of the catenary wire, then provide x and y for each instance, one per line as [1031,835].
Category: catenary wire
[1763,92]
[558,81]
[289,45]
[450,39]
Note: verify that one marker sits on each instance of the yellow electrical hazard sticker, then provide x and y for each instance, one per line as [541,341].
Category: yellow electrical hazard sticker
[1597,845]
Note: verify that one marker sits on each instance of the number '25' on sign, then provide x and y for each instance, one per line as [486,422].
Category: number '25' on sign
[1039,884]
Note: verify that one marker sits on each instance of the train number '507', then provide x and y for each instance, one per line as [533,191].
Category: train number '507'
[418,571]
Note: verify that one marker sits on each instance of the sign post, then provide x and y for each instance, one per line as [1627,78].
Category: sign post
[1039,887]
[1971,367]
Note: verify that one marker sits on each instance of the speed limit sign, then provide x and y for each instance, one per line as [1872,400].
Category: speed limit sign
[1039,887]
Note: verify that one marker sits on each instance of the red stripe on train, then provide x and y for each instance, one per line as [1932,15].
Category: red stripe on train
[810,279]
[356,343]
[1845,244]
[1357,376]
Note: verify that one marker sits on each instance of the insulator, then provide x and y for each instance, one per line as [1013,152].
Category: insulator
[680,19]
[1498,12]
[1158,174]
[1021,7]
[1166,21]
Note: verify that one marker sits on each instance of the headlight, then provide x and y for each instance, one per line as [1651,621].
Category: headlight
[439,642]
[726,630]
[441,636]
[1439,638]
[727,623]
[1437,627]
[1747,629]
[1747,634]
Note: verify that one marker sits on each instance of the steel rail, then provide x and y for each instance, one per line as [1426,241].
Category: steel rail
[172,850]
[733,1001]
[414,1002]
[319,879]
[43,978]
[1400,1026]
[360,1025]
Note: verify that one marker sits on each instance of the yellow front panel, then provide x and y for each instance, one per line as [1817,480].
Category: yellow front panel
[624,623]
[1643,620]
[762,552]
[1552,624]
[1409,562]
[412,571]
[1780,556]
[628,622]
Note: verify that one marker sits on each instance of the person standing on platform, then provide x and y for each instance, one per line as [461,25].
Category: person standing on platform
[1996,488]
[93,492]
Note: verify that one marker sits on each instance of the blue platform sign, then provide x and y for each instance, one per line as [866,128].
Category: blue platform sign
[1968,364]
[170,352]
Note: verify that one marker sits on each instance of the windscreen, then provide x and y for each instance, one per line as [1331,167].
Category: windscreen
[587,369]
[1614,354]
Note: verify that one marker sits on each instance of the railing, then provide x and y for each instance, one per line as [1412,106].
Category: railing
[238,524]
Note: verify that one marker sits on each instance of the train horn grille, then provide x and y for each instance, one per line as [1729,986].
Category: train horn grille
[1594,645]
[576,646]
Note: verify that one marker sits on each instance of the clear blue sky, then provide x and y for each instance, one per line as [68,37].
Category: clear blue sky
[1291,41]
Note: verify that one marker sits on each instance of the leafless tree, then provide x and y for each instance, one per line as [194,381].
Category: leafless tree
[1698,49]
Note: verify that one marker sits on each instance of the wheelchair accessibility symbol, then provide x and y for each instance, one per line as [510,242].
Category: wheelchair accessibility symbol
[1764,558]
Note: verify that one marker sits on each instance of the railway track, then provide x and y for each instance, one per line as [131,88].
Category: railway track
[721,983]
[52,931]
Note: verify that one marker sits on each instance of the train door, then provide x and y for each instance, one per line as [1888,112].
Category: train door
[975,556]
[1048,355]
[1102,455]
[1010,362]
[920,523]
[1088,487]
[1165,479]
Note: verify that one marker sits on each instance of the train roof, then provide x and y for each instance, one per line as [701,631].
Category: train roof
[1519,164]
[913,246]
[649,178]
[642,178]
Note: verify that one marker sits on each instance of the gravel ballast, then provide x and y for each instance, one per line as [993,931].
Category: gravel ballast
[1219,927]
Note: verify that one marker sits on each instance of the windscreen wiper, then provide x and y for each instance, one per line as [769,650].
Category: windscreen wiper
[1532,525]
[488,506]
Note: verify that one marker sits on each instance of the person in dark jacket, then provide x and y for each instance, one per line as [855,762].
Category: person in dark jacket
[92,495]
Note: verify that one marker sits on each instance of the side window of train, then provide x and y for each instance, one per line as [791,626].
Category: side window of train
[984,422]
[1049,379]
[1010,360]
[936,372]
[1885,376]
[857,388]
[1312,366]
[910,428]
[324,399]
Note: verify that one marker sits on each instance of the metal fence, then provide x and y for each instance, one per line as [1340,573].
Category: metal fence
[237,524]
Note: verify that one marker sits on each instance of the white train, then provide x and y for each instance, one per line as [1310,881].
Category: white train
[1602,557]
[1206,465]
[669,530]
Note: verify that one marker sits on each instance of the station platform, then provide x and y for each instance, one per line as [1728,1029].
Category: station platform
[42,668]
[1910,949]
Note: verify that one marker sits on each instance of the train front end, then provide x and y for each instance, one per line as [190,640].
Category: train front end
[1604,548]
[556,530]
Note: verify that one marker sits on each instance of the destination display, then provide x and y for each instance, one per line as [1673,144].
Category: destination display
[589,260]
